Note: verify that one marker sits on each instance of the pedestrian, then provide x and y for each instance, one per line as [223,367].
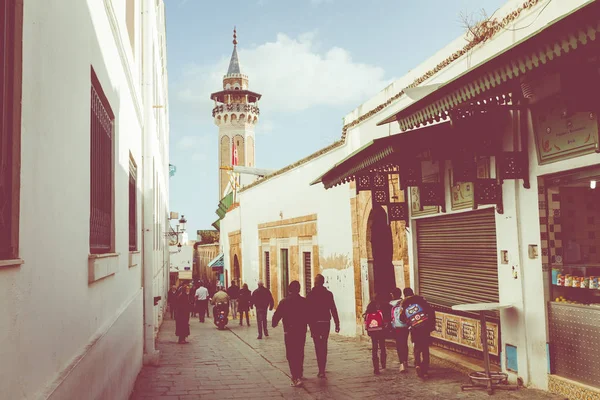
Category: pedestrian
[182,315]
[377,318]
[201,301]
[171,300]
[234,293]
[195,287]
[220,297]
[399,329]
[293,310]
[211,293]
[420,317]
[321,307]
[244,304]
[262,299]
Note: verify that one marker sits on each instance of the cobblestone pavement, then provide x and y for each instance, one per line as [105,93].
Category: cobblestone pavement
[234,364]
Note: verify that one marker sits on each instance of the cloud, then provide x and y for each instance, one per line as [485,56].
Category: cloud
[293,74]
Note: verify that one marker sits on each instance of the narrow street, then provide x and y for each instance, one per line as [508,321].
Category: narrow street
[234,364]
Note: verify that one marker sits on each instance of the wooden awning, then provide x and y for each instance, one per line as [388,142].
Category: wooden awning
[543,47]
[387,152]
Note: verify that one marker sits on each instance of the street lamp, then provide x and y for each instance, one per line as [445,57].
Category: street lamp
[182,223]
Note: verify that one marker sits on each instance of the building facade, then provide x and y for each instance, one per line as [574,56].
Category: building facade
[83,195]
[486,195]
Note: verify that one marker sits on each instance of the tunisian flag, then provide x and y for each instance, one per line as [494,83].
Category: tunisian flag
[234,155]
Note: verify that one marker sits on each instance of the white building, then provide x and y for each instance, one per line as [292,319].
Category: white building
[84,188]
[501,237]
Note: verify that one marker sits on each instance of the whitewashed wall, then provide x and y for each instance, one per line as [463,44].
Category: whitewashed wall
[60,336]
[290,195]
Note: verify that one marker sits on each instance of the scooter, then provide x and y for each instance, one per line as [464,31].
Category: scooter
[220,313]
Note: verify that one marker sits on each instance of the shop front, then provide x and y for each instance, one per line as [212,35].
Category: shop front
[481,158]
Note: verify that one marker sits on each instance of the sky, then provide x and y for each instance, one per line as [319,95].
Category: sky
[314,61]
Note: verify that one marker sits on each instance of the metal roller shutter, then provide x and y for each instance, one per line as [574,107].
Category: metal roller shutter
[457,258]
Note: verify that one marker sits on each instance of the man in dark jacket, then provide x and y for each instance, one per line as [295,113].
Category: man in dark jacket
[294,312]
[321,308]
[262,299]
[420,317]
[171,300]
[234,293]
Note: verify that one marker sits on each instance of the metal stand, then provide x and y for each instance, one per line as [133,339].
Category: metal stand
[487,379]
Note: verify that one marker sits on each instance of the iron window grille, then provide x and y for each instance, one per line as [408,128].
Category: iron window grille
[267,270]
[101,170]
[307,272]
[132,205]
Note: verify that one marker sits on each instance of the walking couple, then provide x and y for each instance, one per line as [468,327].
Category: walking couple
[388,315]
[297,312]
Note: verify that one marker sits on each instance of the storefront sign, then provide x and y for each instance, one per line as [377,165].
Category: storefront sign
[465,332]
[415,199]
[462,193]
[562,133]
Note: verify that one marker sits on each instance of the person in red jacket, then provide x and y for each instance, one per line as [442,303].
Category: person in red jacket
[420,318]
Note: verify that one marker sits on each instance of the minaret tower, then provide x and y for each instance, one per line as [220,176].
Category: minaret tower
[236,113]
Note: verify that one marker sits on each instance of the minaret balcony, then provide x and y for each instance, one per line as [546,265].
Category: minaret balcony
[235,108]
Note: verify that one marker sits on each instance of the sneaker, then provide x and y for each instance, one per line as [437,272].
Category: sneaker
[321,375]
[402,368]
[296,383]
[259,338]
[419,372]
[376,372]
[267,334]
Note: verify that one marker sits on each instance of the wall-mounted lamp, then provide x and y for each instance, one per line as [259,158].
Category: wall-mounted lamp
[533,251]
[504,256]
[592,184]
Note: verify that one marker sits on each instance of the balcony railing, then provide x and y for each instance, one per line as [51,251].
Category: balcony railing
[235,108]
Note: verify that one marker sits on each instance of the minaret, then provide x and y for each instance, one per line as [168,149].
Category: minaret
[235,113]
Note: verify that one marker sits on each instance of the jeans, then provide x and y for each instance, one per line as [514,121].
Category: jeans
[234,304]
[202,307]
[261,321]
[294,352]
[242,317]
[320,334]
[421,342]
[401,336]
[378,343]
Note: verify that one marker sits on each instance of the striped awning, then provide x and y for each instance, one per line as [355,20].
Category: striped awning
[564,35]
[216,262]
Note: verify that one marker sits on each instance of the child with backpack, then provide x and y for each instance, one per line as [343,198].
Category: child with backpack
[377,318]
[420,317]
[399,329]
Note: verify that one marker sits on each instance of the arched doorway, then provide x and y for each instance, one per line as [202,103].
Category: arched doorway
[380,253]
[236,270]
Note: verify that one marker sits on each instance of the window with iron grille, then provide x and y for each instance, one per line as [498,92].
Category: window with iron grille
[132,205]
[307,271]
[101,171]
[267,270]
[11,30]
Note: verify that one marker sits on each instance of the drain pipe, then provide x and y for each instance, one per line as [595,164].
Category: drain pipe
[150,353]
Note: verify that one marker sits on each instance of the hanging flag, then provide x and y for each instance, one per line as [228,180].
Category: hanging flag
[234,155]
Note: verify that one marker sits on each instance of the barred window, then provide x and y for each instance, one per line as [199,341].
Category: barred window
[307,272]
[11,33]
[101,170]
[267,270]
[132,205]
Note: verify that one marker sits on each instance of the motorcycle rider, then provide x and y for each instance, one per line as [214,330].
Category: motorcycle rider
[220,297]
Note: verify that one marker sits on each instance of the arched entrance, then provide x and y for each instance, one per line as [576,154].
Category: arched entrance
[236,270]
[380,253]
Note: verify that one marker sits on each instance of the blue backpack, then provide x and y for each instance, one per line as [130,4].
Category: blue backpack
[396,313]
